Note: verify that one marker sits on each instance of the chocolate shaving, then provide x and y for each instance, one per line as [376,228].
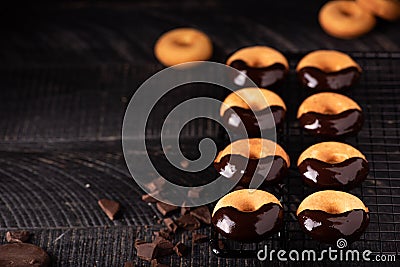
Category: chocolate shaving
[164,233]
[129,264]
[110,207]
[164,247]
[155,263]
[146,251]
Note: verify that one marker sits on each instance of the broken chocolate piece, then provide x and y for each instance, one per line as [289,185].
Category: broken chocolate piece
[170,224]
[146,251]
[110,207]
[19,236]
[199,238]
[188,222]
[202,214]
[149,199]
[165,208]
[23,254]
[164,247]
[180,249]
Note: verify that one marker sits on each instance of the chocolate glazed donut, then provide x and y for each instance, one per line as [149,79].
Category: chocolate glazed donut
[255,110]
[264,65]
[248,159]
[247,215]
[330,115]
[330,215]
[328,70]
[333,165]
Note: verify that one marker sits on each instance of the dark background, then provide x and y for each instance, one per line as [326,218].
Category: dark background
[67,72]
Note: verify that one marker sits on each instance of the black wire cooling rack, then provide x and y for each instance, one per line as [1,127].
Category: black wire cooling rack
[378,93]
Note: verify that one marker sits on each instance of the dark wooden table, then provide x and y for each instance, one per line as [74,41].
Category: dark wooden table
[67,72]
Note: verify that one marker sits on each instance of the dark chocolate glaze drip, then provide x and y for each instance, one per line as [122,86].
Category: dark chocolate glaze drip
[252,226]
[268,119]
[244,174]
[348,122]
[328,228]
[343,175]
[263,77]
[317,79]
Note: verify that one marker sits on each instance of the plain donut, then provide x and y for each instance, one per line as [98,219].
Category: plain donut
[183,45]
[345,19]
[385,9]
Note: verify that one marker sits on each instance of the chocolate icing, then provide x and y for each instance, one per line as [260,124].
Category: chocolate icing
[269,119]
[246,173]
[348,122]
[343,175]
[252,226]
[264,76]
[328,228]
[317,79]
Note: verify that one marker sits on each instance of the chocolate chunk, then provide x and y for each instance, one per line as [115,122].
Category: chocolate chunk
[149,199]
[164,233]
[155,263]
[146,251]
[164,247]
[110,207]
[165,208]
[170,224]
[188,222]
[23,254]
[199,238]
[129,264]
[19,236]
[202,214]
[180,249]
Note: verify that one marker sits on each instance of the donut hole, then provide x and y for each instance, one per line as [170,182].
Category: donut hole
[184,41]
[345,12]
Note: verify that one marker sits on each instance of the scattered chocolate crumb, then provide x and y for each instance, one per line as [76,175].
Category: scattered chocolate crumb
[110,207]
[165,208]
[202,213]
[155,263]
[149,199]
[180,249]
[171,225]
[129,264]
[165,233]
[199,238]
[19,236]
[188,222]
